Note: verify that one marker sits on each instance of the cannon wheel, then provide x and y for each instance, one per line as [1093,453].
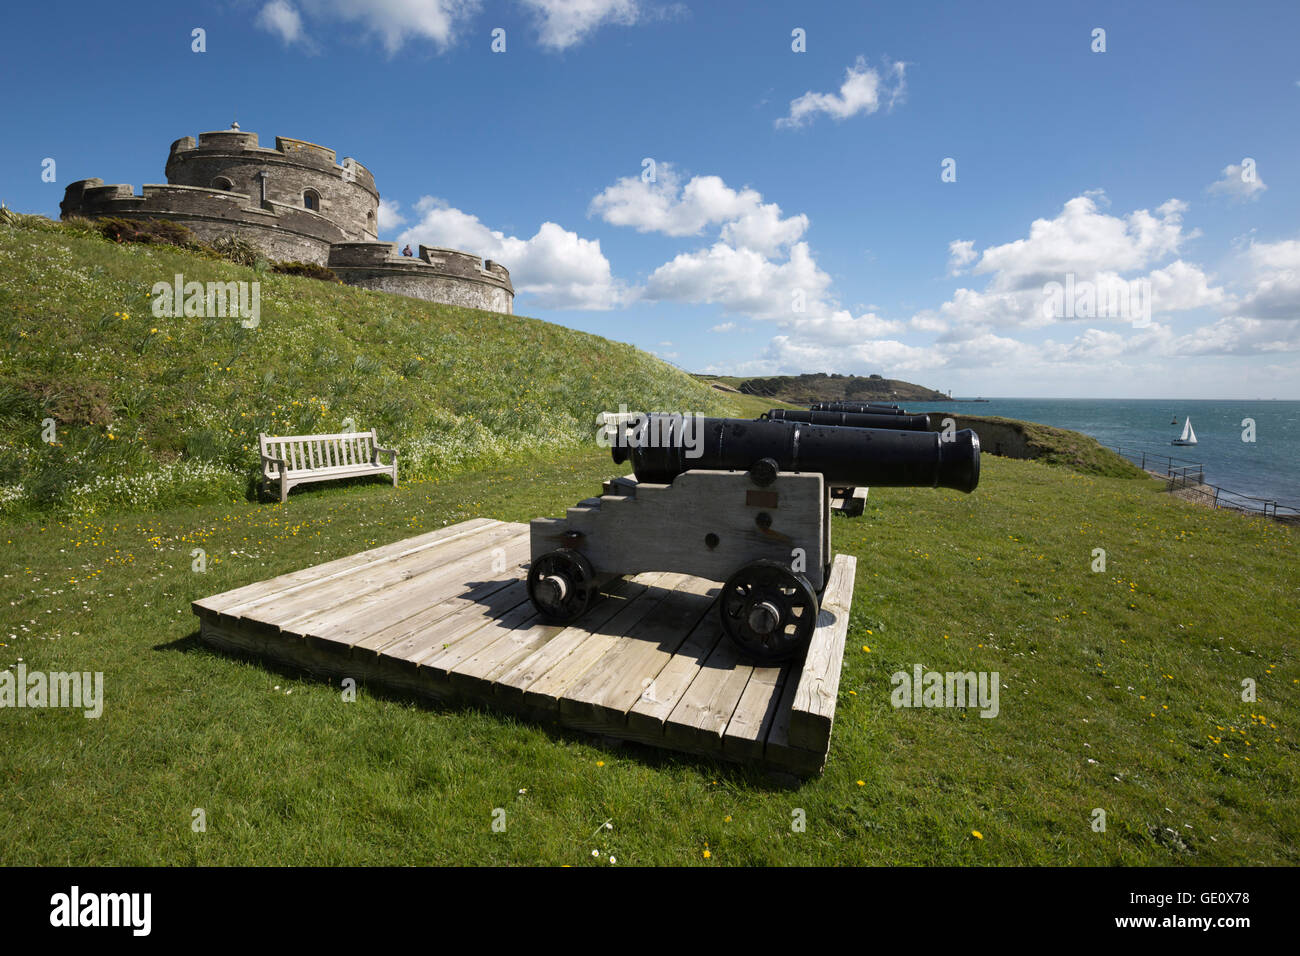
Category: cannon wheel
[561,585]
[769,611]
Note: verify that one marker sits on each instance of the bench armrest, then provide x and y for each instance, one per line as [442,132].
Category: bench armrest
[379,449]
[268,460]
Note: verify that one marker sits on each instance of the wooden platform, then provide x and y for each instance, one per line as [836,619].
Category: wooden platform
[446,615]
[852,504]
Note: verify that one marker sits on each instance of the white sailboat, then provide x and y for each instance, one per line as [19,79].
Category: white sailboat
[1189,436]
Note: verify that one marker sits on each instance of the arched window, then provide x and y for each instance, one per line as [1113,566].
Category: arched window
[221,182]
[311,200]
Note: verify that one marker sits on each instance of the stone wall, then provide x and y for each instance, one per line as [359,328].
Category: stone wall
[437,275]
[282,232]
[1003,437]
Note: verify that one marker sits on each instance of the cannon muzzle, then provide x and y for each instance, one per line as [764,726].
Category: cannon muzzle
[663,446]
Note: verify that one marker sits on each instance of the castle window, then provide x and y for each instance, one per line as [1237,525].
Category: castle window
[311,200]
[221,182]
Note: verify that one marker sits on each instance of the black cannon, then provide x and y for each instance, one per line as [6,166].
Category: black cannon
[661,447]
[859,408]
[745,502]
[900,422]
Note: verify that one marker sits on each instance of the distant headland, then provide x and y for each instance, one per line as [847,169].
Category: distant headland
[823,387]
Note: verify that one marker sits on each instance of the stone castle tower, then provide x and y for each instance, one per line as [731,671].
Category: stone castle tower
[295,202]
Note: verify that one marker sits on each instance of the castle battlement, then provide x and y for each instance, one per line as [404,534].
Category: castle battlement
[373,264]
[295,152]
[295,201]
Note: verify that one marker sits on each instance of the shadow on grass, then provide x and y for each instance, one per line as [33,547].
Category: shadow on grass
[648,755]
[253,487]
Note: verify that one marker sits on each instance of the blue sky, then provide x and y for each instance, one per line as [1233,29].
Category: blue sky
[797,219]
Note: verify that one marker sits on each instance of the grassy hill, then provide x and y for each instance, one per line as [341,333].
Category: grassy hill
[155,410]
[821,387]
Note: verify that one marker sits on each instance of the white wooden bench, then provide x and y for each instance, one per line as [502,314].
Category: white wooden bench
[299,459]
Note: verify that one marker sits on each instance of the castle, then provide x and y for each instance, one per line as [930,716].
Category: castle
[295,202]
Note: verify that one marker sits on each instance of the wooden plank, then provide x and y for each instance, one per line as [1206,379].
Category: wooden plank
[749,726]
[512,683]
[698,721]
[281,609]
[817,693]
[220,603]
[408,630]
[777,751]
[605,693]
[348,623]
[324,436]
[515,642]
[454,652]
[429,641]
[545,692]
[645,719]
[300,654]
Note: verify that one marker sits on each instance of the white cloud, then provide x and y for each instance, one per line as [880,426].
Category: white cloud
[389,217]
[789,354]
[961,253]
[281,18]
[842,327]
[1081,244]
[971,340]
[1238,336]
[1180,286]
[558,267]
[863,91]
[1274,276]
[1238,182]
[724,327]
[927,322]
[674,209]
[741,281]
[565,23]
[757,265]
[392,22]
[1083,240]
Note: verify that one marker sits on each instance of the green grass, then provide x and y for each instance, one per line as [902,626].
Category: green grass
[1138,668]
[154,411]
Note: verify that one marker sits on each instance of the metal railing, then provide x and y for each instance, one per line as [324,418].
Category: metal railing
[1190,475]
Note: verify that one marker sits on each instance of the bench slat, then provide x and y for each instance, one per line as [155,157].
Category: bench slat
[321,437]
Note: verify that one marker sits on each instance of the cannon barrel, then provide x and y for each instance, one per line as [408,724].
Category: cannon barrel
[857,408]
[901,422]
[663,446]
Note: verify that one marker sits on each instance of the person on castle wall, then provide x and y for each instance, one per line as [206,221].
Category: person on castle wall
[407,251]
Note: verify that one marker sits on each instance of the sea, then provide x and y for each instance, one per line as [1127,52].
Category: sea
[1267,468]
